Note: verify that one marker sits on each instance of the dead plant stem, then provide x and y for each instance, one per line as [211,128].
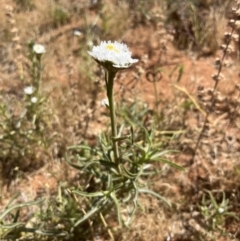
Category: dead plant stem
[212,101]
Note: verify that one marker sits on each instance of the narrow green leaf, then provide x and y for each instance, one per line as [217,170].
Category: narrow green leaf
[108,164]
[91,212]
[213,201]
[170,163]
[109,181]
[172,72]
[161,153]
[54,233]
[126,173]
[127,198]
[89,163]
[115,200]
[11,226]
[232,214]
[86,194]
[21,205]
[180,73]
[121,138]
[143,150]
[79,147]
[145,190]
[78,167]
[148,137]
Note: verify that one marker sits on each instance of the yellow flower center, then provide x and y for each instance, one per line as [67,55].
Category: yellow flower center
[111,47]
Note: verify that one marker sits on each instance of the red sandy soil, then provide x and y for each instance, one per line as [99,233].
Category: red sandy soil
[154,49]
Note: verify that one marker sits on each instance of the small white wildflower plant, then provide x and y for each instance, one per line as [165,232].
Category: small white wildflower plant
[28,128]
[214,213]
[120,162]
[35,98]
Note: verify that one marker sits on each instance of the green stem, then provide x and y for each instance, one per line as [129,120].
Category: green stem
[39,75]
[109,85]
[156,96]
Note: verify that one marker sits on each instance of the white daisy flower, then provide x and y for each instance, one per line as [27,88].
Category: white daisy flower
[112,55]
[29,90]
[34,99]
[39,49]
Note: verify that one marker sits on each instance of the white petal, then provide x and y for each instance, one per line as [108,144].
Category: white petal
[39,49]
[34,100]
[29,90]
